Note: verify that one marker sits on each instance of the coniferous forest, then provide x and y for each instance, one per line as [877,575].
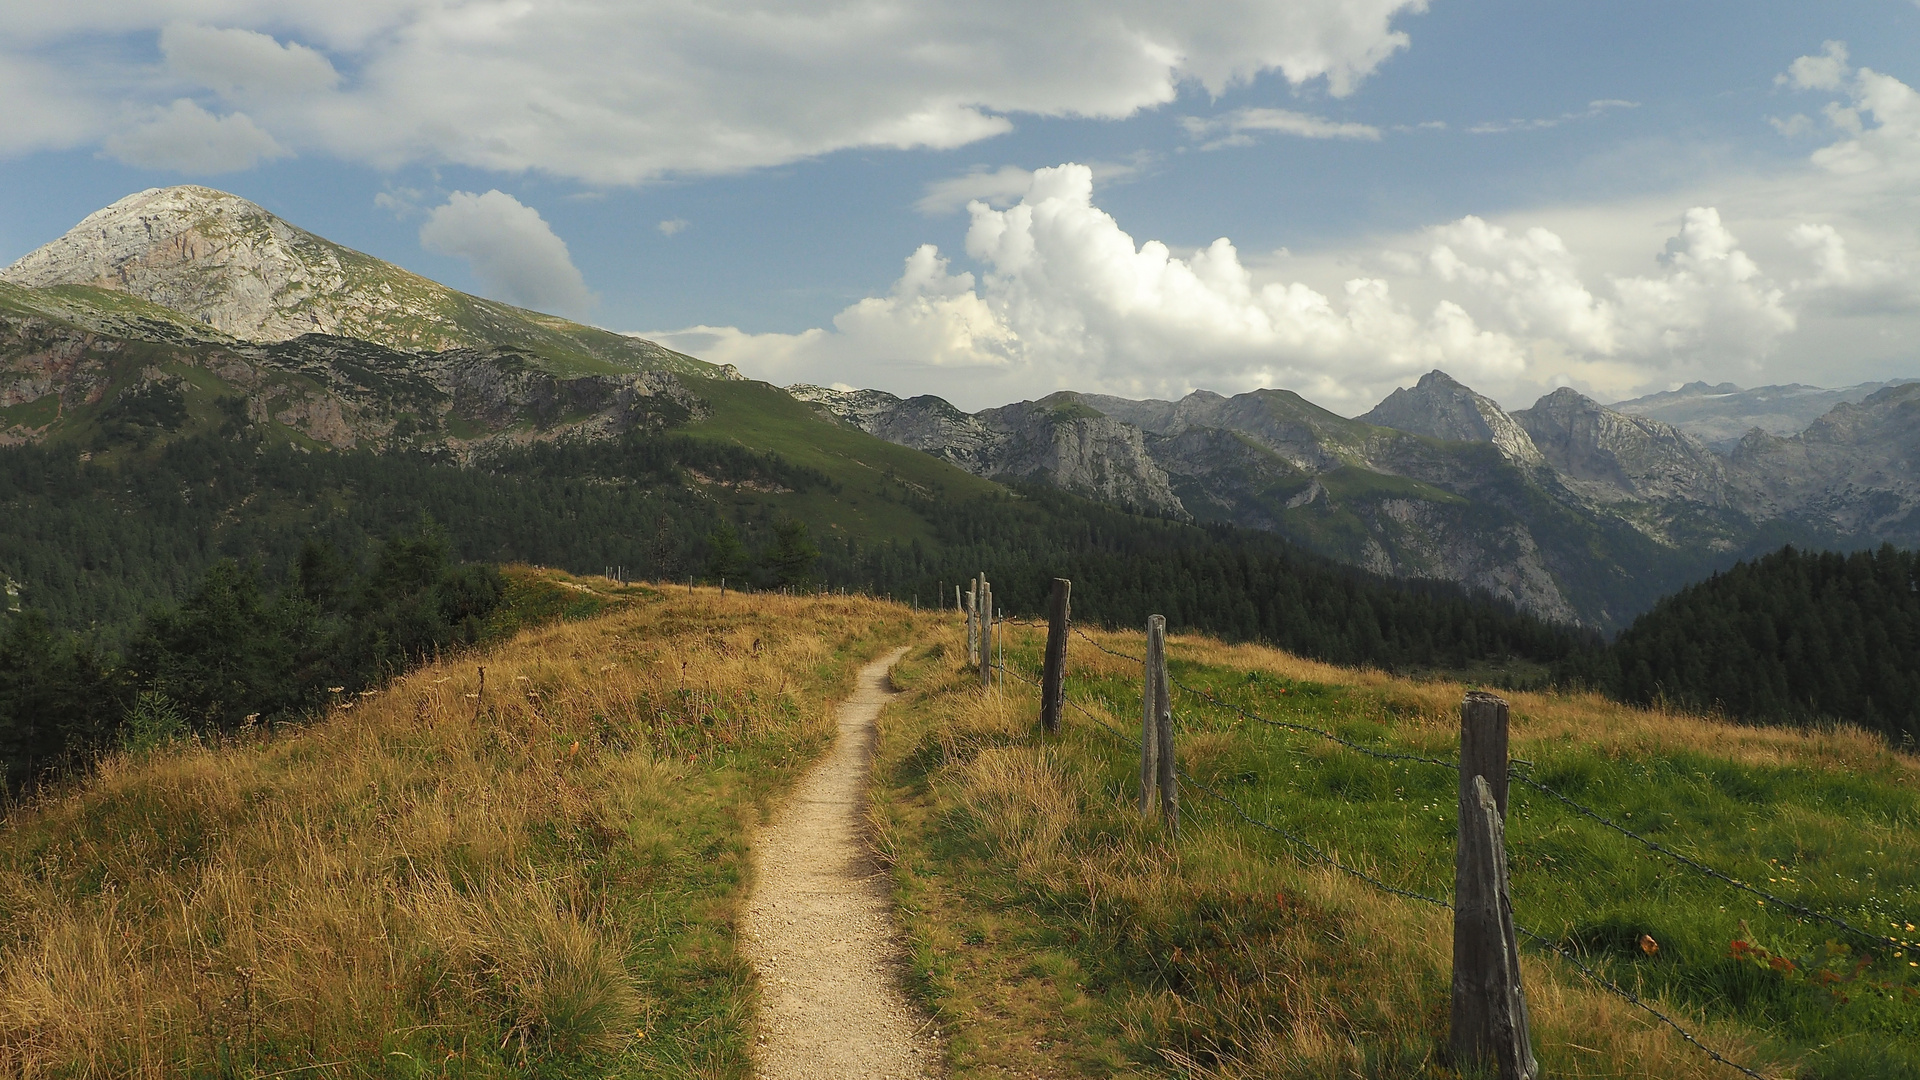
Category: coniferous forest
[1795,637]
[226,575]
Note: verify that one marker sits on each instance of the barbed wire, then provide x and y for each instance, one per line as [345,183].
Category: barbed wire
[1565,954]
[1327,858]
[1608,984]
[1384,755]
[1799,910]
[1802,912]
[1301,841]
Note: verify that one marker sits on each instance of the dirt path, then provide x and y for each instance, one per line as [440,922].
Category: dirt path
[820,925]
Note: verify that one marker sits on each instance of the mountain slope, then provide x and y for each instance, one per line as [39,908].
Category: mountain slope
[229,264]
[1855,470]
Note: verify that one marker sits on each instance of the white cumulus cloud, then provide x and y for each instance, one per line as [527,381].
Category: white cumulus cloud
[1709,301]
[1068,298]
[1064,297]
[186,138]
[619,93]
[511,249]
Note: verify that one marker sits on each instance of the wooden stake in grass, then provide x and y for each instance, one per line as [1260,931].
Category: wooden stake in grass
[986,634]
[1053,674]
[1157,764]
[973,626]
[1489,1004]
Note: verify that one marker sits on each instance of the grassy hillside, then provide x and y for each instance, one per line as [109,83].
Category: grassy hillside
[1056,934]
[537,873]
[876,480]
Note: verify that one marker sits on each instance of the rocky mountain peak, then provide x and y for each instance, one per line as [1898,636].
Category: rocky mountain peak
[1442,407]
[227,263]
[1617,456]
[205,253]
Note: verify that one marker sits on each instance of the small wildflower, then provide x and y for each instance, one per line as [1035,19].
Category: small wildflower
[1648,945]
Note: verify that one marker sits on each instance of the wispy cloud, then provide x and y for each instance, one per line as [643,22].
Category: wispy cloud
[1593,109]
[1006,185]
[1236,128]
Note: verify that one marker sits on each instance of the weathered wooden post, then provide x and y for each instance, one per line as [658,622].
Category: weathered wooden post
[973,628]
[1054,673]
[1489,1003]
[987,630]
[1158,779]
[1163,729]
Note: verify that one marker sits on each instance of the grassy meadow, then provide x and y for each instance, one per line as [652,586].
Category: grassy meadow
[538,874]
[1057,934]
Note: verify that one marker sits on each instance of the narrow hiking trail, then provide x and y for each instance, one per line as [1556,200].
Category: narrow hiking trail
[819,926]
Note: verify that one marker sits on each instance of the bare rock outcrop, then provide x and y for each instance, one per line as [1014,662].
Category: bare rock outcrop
[1443,408]
[1614,457]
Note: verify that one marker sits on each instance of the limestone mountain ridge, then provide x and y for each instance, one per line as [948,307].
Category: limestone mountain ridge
[1569,509]
[233,267]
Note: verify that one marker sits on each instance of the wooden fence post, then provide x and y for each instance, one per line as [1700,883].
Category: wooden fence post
[1163,725]
[1158,766]
[986,634]
[1489,1021]
[1054,673]
[973,628]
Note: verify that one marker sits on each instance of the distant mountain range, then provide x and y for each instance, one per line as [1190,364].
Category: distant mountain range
[1570,509]
[160,314]
[1722,415]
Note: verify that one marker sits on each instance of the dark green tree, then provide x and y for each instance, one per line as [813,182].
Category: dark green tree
[726,556]
[791,560]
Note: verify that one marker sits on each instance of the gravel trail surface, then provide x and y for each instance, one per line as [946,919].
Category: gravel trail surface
[820,925]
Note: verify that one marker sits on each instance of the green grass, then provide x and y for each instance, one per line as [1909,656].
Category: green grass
[37,413]
[1129,954]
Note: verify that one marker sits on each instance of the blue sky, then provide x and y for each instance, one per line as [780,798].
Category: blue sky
[1418,150]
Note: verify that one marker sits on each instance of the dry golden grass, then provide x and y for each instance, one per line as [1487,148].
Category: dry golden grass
[439,878]
[1056,934]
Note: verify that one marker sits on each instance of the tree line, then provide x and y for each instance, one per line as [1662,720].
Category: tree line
[1794,637]
[241,648]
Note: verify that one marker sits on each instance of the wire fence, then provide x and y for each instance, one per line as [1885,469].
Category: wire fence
[1801,911]
[1321,855]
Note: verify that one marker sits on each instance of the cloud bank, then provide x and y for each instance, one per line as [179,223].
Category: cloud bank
[1065,297]
[619,93]
[1059,294]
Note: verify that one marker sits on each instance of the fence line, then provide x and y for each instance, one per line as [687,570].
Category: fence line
[1335,863]
[1799,910]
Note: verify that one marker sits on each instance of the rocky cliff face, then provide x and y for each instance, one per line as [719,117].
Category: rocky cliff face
[229,264]
[1855,470]
[1442,408]
[1057,439]
[1062,441]
[1613,457]
[1568,509]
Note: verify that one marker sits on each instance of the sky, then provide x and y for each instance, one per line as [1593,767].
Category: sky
[993,201]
